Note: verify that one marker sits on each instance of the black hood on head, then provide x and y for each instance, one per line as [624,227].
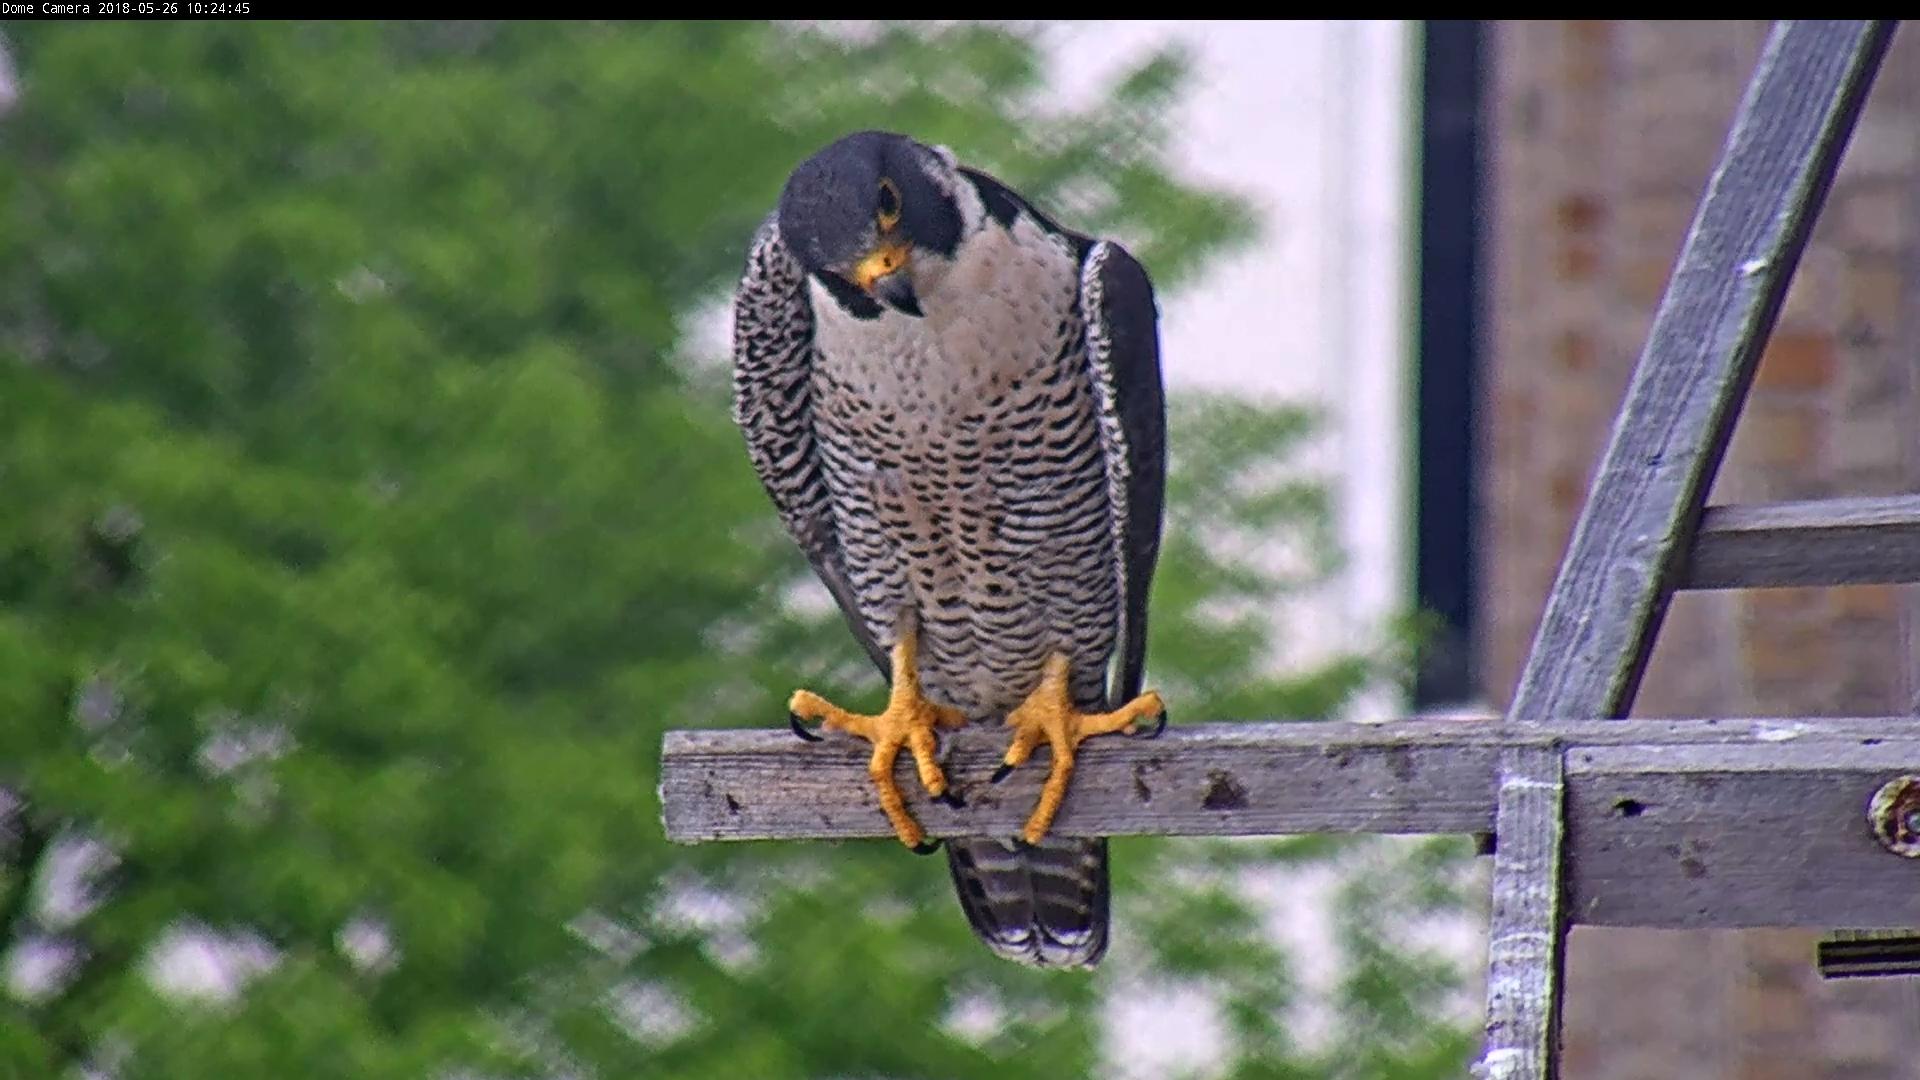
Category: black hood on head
[830,208]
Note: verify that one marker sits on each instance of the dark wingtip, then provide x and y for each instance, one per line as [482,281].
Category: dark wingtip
[800,729]
[1001,773]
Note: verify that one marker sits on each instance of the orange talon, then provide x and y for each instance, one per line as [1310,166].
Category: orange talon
[1048,715]
[909,721]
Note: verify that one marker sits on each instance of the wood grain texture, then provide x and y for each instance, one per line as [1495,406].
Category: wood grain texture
[1220,779]
[1406,776]
[1646,499]
[1854,541]
[1525,939]
[1737,836]
[1707,336]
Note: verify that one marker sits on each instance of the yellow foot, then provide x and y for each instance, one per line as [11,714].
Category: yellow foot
[909,721]
[1048,715]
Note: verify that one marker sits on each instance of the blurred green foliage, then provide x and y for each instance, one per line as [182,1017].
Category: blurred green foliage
[364,529]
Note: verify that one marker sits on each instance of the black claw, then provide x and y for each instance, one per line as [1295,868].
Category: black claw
[926,847]
[951,798]
[1001,773]
[800,729]
[1159,726]
[1020,844]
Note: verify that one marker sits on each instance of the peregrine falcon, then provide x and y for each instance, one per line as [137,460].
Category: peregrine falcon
[956,407]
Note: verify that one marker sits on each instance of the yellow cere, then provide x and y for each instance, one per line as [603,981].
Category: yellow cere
[878,263]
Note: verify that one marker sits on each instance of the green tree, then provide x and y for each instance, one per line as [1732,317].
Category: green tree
[363,534]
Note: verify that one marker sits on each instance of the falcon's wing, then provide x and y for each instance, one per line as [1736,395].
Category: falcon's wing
[1123,358]
[773,353]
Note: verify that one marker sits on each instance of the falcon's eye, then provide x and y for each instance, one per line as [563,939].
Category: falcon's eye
[889,204]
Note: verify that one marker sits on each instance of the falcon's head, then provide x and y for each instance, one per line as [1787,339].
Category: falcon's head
[873,218]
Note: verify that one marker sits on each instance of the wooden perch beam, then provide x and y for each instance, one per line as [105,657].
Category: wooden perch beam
[1855,541]
[1670,822]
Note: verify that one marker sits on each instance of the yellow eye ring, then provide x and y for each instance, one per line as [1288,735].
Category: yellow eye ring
[888,205]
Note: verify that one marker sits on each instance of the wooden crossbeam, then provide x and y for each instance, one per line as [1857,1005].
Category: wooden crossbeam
[1645,503]
[1670,822]
[1707,337]
[1237,779]
[1854,541]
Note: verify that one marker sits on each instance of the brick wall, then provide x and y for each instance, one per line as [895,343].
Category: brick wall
[1602,138]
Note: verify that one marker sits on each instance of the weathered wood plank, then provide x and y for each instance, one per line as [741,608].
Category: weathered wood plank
[1671,823]
[1405,776]
[1854,541]
[1221,779]
[1731,836]
[1525,950]
[1707,337]
[1667,442]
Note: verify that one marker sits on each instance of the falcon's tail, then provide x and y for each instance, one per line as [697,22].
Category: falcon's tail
[1044,905]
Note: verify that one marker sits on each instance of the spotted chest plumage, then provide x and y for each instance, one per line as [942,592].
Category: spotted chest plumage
[962,451]
[955,405]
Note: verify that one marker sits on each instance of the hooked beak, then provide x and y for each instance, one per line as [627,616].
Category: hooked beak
[883,274]
[896,292]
